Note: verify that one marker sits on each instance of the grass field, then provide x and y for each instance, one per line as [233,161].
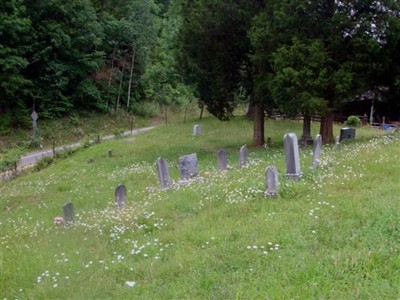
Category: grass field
[334,234]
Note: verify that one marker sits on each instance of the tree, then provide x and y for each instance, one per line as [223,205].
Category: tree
[348,35]
[214,53]
[15,34]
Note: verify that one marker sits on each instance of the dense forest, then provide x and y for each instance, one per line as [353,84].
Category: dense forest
[291,56]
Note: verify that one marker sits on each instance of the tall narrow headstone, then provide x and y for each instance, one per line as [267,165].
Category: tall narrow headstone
[271,181]
[197,130]
[163,172]
[69,214]
[317,151]
[337,143]
[188,166]
[243,153]
[292,156]
[222,160]
[120,196]
[109,153]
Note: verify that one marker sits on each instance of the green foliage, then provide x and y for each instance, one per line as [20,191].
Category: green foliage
[43,163]
[145,109]
[353,121]
[9,160]
[219,65]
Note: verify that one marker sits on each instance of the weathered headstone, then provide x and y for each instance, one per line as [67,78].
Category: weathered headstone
[337,142]
[347,134]
[222,160]
[243,153]
[69,214]
[163,172]
[197,130]
[271,181]
[109,153]
[188,166]
[317,151]
[34,117]
[120,196]
[292,156]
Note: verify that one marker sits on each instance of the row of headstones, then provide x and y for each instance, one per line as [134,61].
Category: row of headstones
[188,166]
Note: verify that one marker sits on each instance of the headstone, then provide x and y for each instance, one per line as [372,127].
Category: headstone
[120,196]
[69,214]
[337,142]
[109,153]
[271,181]
[163,172]
[188,166]
[222,160]
[347,134]
[34,117]
[292,156]
[197,130]
[317,151]
[243,153]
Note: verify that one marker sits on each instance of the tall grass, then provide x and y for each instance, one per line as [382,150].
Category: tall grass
[333,234]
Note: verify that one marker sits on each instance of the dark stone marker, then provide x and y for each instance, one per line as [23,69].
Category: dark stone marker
[69,214]
[120,196]
[188,166]
[222,160]
[163,172]
[347,134]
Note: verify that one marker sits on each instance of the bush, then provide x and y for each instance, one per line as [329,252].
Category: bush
[43,163]
[145,109]
[353,121]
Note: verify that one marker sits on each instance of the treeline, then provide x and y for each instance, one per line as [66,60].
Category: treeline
[294,56]
[59,56]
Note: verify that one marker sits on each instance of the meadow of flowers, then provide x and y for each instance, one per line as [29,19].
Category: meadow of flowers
[332,234]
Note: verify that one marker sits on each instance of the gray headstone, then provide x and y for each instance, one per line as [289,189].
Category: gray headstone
[120,196]
[317,151]
[188,166]
[197,130]
[69,214]
[347,134]
[292,156]
[222,160]
[110,153]
[271,181]
[243,153]
[337,143]
[163,172]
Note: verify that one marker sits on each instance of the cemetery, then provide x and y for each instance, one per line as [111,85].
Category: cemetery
[191,211]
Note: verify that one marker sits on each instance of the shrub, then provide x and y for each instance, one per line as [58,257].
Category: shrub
[43,163]
[353,121]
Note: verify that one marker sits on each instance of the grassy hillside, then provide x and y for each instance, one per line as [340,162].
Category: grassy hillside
[333,234]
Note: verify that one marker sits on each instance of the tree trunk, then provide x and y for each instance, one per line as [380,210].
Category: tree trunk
[258,132]
[202,111]
[306,137]
[326,128]
[131,75]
